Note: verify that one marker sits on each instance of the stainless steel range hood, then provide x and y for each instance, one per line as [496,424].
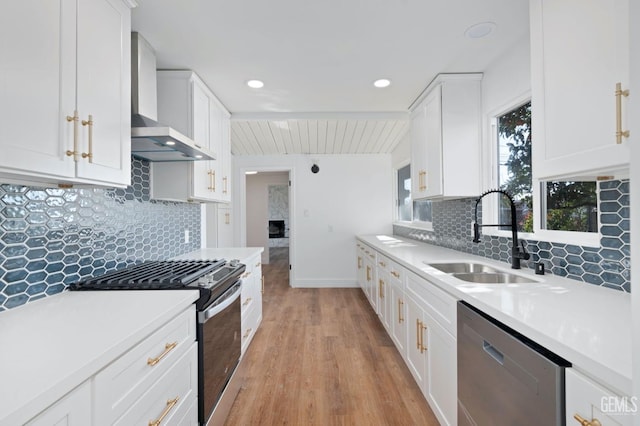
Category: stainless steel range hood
[151,140]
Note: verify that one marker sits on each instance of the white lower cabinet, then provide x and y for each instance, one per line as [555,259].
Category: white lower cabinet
[251,299]
[421,320]
[588,400]
[74,409]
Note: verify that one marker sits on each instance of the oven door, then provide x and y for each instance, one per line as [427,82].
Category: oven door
[219,343]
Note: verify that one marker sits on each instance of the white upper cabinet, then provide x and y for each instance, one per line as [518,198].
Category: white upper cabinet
[579,52]
[186,104]
[65,92]
[445,138]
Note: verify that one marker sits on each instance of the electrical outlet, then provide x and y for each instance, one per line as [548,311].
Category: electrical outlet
[186,236]
[472,230]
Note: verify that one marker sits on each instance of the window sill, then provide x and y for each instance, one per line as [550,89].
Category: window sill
[586,239]
[422,226]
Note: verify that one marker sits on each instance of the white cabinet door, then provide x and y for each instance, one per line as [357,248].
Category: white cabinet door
[70,56]
[37,87]
[203,181]
[224,155]
[398,319]
[579,51]
[72,410]
[416,355]
[225,227]
[104,90]
[445,138]
[441,387]
[384,299]
[591,401]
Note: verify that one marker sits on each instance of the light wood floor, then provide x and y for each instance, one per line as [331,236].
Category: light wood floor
[322,357]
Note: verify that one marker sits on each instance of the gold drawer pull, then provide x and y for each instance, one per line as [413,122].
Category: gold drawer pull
[246,302]
[74,119]
[395,274]
[619,132]
[258,264]
[245,275]
[89,123]
[224,188]
[359,262]
[400,304]
[247,333]
[585,422]
[170,404]
[381,263]
[167,348]
[212,180]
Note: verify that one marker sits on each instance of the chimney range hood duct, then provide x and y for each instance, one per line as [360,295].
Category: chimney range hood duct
[151,140]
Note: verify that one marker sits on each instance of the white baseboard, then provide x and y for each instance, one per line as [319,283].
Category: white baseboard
[325,284]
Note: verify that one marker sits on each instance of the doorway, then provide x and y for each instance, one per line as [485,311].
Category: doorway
[268,214]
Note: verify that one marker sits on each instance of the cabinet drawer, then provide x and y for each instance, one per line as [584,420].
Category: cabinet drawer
[440,305]
[250,322]
[591,401]
[74,409]
[174,393]
[122,383]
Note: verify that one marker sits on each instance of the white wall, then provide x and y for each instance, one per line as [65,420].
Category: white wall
[351,195]
[257,208]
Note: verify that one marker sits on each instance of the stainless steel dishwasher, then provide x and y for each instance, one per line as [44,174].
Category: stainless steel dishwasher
[505,378]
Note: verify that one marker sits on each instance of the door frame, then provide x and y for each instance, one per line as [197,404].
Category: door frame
[242,200]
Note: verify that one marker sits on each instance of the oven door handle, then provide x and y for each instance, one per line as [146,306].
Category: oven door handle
[227,299]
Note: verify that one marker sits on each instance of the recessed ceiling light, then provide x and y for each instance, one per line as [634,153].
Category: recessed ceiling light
[255,84]
[251,173]
[170,143]
[480,30]
[198,156]
[383,82]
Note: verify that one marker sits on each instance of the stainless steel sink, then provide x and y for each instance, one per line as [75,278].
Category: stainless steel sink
[492,278]
[461,267]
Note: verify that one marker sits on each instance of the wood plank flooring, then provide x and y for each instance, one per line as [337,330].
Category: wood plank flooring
[322,357]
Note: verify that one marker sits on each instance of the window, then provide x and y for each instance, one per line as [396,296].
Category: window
[404,194]
[417,212]
[557,205]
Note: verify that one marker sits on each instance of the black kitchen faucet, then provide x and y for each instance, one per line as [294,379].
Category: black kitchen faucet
[516,252]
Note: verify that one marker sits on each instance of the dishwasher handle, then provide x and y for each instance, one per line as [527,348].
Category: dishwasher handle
[493,352]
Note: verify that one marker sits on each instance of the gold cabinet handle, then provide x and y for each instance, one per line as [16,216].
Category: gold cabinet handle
[245,275]
[262,283]
[423,348]
[585,422]
[247,333]
[368,273]
[400,304]
[381,263]
[380,284]
[75,119]
[418,328]
[89,123]
[359,262]
[167,348]
[170,404]
[619,132]
[212,180]
[246,302]
[224,185]
[258,264]
[395,274]
[227,218]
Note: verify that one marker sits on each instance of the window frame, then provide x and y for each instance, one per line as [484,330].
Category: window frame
[490,211]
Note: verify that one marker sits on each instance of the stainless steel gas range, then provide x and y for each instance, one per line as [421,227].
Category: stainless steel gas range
[218,313]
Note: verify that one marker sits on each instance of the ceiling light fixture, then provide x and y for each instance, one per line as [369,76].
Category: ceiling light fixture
[255,84]
[383,82]
[480,30]
[251,173]
[170,143]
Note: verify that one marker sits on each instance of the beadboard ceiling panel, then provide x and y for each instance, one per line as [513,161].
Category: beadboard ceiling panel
[316,136]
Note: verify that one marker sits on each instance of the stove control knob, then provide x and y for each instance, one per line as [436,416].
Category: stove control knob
[234,263]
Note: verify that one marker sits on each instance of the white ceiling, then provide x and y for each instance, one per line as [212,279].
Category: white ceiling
[319,57]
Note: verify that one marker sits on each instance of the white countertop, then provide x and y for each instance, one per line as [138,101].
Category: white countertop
[240,253]
[589,326]
[52,345]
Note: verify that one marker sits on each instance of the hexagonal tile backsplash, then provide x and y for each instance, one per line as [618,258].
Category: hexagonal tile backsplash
[607,265]
[52,237]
